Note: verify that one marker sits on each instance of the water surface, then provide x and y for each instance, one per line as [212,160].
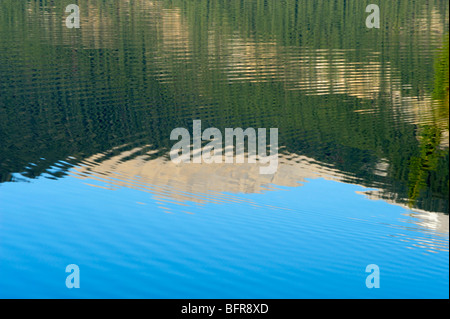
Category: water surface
[85,122]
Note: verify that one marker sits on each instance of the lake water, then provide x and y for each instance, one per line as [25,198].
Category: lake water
[86,178]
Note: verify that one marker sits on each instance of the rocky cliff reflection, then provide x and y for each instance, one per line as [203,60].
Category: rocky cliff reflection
[196,182]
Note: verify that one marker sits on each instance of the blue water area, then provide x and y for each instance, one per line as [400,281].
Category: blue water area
[311,241]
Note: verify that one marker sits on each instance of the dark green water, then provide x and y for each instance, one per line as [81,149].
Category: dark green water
[352,98]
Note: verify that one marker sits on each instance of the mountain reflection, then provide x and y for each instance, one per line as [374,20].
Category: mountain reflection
[183,183]
[196,182]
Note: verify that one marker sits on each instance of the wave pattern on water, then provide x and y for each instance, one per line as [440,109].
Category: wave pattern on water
[85,123]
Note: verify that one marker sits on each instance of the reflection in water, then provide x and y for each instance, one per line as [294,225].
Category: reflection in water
[433,130]
[197,182]
[363,135]
[314,71]
[206,73]
[184,184]
[429,222]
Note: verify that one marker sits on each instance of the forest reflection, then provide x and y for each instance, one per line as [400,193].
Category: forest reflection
[356,105]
